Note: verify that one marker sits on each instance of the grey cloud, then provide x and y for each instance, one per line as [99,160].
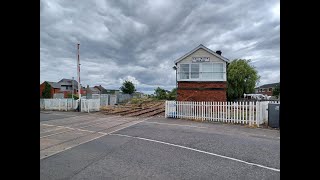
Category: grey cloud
[141,39]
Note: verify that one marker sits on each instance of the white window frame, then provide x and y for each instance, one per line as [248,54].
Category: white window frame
[201,71]
[199,76]
[180,72]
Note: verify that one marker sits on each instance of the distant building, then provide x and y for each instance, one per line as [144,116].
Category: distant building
[55,88]
[68,84]
[64,86]
[266,89]
[101,89]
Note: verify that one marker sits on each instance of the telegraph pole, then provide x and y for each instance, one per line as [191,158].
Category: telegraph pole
[72,88]
[79,87]
[78,71]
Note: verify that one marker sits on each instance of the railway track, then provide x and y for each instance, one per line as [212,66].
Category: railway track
[143,110]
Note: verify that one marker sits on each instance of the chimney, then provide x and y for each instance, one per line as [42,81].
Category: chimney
[219,52]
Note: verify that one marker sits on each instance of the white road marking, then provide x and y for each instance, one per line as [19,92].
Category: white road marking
[58,132]
[103,134]
[176,124]
[171,124]
[70,128]
[53,129]
[197,150]
[83,121]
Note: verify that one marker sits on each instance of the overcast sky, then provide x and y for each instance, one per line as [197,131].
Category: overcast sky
[139,40]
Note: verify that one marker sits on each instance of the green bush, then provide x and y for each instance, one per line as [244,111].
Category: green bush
[46,93]
[74,96]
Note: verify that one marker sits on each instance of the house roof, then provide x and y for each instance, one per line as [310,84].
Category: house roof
[54,84]
[93,89]
[204,48]
[269,85]
[68,82]
[100,88]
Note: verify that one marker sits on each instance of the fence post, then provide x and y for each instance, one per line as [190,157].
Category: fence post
[88,106]
[188,109]
[256,111]
[59,104]
[227,111]
[165,109]
[202,111]
[211,111]
[198,111]
[241,111]
[183,113]
[218,109]
[194,110]
[249,113]
[222,112]
[237,112]
[178,109]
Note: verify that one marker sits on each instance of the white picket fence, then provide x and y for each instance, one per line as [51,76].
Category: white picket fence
[252,113]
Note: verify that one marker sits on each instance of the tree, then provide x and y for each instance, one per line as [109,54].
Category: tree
[46,93]
[160,93]
[127,87]
[241,78]
[172,94]
[74,96]
[276,91]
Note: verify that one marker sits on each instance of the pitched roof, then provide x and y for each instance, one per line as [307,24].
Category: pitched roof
[68,82]
[94,89]
[269,85]
[204,48]
[100,88]
[54,84]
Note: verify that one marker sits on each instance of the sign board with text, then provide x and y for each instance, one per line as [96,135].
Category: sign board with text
[200,59]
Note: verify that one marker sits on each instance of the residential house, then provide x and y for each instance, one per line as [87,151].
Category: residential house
[67,85]
[64,86]
[201,75]
[101,89]
[90,91]
[267,89]
[55,88]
